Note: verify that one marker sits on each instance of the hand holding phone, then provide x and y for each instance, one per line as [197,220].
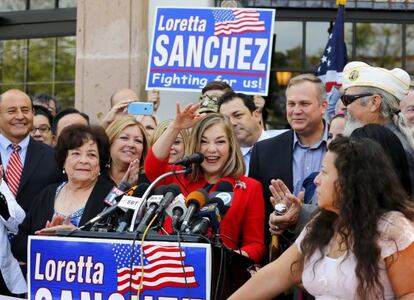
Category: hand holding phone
[140,108]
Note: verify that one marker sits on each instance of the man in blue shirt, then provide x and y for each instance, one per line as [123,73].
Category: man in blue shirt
[285,161]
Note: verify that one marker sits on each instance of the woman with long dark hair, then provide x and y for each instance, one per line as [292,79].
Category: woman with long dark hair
[360,245]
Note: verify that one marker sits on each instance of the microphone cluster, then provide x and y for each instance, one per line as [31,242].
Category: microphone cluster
[199,213]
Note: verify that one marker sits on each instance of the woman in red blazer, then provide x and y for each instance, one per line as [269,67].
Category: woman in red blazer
[242,227]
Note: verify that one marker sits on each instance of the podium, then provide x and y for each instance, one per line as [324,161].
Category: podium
[110,266]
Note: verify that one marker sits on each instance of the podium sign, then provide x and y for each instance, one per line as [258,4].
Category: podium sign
[102,269]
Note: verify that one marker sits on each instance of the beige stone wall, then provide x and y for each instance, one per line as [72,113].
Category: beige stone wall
[112,51]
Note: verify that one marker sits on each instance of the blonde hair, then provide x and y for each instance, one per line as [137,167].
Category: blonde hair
[162,126]
[234,167]
[115,128]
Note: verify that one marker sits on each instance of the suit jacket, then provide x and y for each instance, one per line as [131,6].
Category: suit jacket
[39,170]
[44,208]
[273,159]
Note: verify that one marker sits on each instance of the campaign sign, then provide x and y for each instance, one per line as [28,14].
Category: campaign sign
[192,46]
[98,269]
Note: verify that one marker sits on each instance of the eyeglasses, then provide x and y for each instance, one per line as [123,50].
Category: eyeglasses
[41,128]
[348,99]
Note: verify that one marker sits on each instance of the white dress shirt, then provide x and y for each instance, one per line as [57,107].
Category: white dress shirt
[247,151]
[9,266]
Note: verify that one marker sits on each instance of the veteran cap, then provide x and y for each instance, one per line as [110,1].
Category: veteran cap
[208,104]
[395,82]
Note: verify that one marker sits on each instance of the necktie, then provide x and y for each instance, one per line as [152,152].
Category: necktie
[14,170]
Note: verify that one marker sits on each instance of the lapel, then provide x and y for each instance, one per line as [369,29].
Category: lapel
[286,158]
[33,156]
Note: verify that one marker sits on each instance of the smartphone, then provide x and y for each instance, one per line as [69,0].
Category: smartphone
[140,108]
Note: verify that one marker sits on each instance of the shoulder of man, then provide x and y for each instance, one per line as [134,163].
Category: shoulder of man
[279,139]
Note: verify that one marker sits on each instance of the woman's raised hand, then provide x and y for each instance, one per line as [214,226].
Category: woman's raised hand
[187,117]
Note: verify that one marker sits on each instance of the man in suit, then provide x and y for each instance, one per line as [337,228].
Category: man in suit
[285,161]
[246,119]
[36,165]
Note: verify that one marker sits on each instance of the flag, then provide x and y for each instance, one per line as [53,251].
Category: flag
[163,267]
[334,57]
[233,21]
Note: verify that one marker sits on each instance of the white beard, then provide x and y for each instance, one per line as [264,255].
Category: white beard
[350,125]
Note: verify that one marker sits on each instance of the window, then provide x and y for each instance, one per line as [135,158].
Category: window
[379,44]
[16,5]
[288,45]
[40,66]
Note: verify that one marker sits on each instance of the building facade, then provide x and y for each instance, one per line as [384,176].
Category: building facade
[44,44]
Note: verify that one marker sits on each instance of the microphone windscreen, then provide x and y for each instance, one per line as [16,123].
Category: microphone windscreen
[220,204]
[139,190]
[224,186]
[173,188]
[160,190]
[199,197]
[198,158]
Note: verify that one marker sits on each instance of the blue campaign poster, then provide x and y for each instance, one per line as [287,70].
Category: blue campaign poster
[192,46]
[98,269]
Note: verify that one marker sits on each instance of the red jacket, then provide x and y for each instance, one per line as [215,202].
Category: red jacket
[242,226]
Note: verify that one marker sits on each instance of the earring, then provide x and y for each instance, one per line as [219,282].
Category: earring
[63,171]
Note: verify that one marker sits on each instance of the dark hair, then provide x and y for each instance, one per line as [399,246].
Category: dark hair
[229,96]
[65,112]
[392,147]
[43,111]
[74,136]
[216,85]
[365,191]
[45,99]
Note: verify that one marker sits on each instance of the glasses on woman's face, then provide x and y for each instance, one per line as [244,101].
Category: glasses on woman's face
[42,128]
[348,99]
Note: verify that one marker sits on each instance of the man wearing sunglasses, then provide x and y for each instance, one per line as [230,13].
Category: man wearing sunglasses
[372,96]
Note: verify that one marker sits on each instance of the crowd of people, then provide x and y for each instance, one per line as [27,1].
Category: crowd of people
[344,181]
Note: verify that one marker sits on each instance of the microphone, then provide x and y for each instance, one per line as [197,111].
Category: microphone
[194,201]
[201,226]
[117,191]
[126,218]
[214,212]
[172,191]
[176,211]
[153,203]
[224,191]
[195,158]
[108,211]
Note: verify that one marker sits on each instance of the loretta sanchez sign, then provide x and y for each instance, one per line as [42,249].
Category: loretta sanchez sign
[192,46]
[101,269]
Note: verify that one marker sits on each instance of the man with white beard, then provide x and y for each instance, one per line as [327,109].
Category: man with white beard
[372,96]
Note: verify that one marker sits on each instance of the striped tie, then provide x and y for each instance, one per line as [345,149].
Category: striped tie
[14,170]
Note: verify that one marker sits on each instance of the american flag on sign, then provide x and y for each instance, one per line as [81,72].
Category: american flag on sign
[231,21]
[163,267]
[334,57]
